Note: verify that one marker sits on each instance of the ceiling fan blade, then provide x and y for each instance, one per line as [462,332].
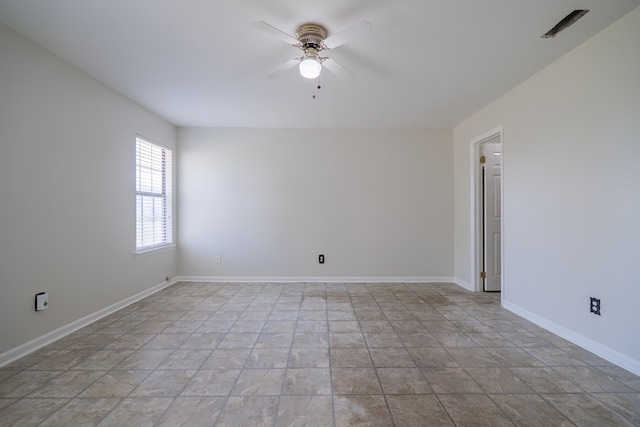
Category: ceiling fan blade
[338,69]
[275,32]
[347,34]
[284,68]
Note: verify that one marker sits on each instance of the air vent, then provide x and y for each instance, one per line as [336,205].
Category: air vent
[566,22]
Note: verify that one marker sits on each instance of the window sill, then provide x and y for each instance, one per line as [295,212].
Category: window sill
[153,251]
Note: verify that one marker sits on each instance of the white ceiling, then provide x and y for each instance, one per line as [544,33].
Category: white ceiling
[426,63]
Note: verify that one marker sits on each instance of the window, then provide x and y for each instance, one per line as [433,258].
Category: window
[153,196]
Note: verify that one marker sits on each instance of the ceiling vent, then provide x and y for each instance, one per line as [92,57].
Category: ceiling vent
[566,22]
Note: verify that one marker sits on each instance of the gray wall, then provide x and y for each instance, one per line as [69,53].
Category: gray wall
[571,193]
[67,193]
[377,203]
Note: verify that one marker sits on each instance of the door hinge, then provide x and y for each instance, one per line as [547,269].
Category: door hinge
[483,160]
[483,274]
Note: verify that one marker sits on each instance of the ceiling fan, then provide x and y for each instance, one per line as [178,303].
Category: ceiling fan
[312,39]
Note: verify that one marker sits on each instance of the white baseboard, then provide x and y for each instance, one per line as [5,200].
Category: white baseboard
[595,347]
[237,279]
[463,284]
[43,340]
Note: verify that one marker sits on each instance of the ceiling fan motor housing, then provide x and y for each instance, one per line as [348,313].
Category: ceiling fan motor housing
[311,36]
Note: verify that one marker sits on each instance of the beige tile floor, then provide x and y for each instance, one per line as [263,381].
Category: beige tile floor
[202,354]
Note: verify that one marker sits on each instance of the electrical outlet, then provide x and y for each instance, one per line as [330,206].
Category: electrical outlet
[321,259]
[42,301]
[168,278]
[595,306]
[218,259]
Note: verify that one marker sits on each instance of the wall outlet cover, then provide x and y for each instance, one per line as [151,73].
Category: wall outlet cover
[42,301]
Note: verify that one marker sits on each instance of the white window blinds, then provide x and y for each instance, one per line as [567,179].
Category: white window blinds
[153,196]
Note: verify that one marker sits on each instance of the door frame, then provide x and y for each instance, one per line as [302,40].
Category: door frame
[476,206]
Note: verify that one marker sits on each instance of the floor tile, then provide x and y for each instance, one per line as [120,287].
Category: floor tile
[202,341]
[268,358]
[545,380]
[316,354]
[450,380]
[139,411]
[490,339]
[341,314]
[347,339]
[116,383]
[29,412]
[307,381]
[226,359]
[473,410]
[355,381]
[192,411]
[166,341]
[498,380]
[81,412]
[67,384]
[7,402]
[592,380]
[103,360]
[248,411]
[163,383]
[427,357]
[394,357]
[259,381]
[418,410]
[236,341]
[403,381]
[625,404]
[515,357]
[312,326]
[144,359]
[274,340]
[344,326]
[277,326]
[23,383]
[305,411]
[309,357]
[530,410]
[454,340]
[473,357]
[418,340]
[211,383]
[382,339]
[185,359]
[350,358]
[61,360]
[585,410]
[311,339]
[371,411]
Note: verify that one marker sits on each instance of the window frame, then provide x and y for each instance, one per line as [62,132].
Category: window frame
[164,240]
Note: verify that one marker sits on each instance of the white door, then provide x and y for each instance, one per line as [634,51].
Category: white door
[491,166]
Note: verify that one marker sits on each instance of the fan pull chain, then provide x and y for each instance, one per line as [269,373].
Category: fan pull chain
[317,84]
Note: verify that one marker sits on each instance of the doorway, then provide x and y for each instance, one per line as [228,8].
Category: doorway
[488,196]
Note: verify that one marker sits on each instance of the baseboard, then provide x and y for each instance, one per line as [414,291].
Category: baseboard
[595,347]
[43,340]
[251,279]
[468,286]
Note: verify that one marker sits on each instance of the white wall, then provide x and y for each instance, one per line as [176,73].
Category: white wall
[67,196]
[377,203]
[571,192]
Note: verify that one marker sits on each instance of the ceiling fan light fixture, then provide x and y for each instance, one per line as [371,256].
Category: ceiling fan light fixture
[310,67]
